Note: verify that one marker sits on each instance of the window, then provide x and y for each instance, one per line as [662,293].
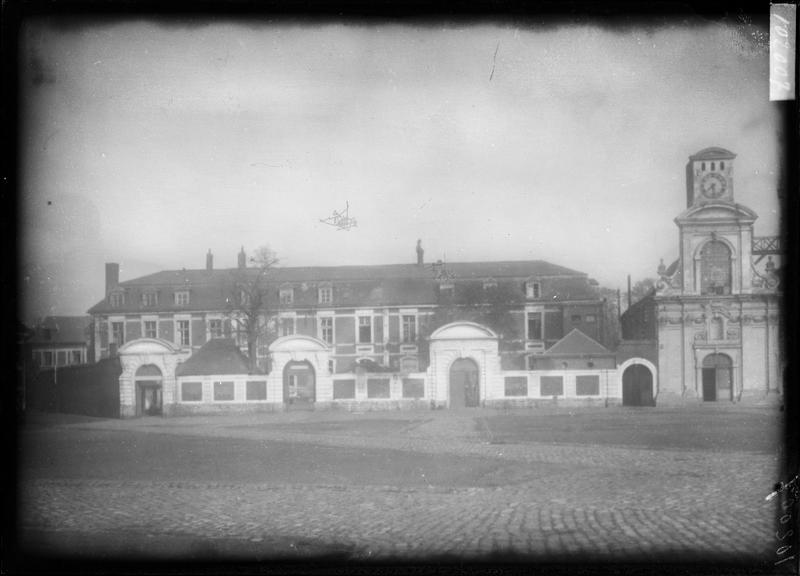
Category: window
[47,358]
[713,166]
[409,329]
[413,388]
[287,326]
[183,332]
[150,299]
[364,329]
[715,268]
[587,385]
[409,364]
[576,318]
[215,328]
[286,295]
[590,319]
[116,299]
[223,391]
[75,357]
[534,325]
[722,165]
[325,294]
[344,389]
[703,166]
[150,329]
[182,298]
[118,333]
[378,388]
[244,297]
[61,358]
[516,385]
[326,329]
[533,289]
[257,390]
[191,391]
[552,386]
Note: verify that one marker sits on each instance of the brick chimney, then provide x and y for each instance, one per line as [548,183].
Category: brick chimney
[420,252]
[209,261]
[112,276]
[242,259]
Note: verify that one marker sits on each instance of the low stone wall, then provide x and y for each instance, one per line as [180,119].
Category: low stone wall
[374,405]
[511,403]
[222,408]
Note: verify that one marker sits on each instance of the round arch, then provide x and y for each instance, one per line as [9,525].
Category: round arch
[147,382]
[638,382]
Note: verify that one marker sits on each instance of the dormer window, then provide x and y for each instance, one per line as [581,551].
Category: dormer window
[116,299]
[286,295]
[325,293]
[489,283]
[533,289]
[150,299]
[244,298]
[181,297]
[713,166]
[722,165]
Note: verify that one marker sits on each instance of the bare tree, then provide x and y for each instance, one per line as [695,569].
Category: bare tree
[251,306]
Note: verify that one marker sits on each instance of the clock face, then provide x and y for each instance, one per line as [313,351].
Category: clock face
[713,185]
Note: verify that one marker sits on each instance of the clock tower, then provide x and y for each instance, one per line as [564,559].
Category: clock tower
[709,176]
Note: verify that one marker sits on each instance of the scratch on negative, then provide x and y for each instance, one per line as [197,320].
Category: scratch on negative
[494,60]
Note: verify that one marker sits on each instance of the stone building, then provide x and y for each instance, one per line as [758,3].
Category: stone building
[454,334]
[714,314]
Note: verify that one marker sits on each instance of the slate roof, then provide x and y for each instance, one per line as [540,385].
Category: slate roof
[576,343]
[63,330]
[217,356]
[353,286]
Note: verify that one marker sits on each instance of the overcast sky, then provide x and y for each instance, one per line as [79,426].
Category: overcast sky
[148,145]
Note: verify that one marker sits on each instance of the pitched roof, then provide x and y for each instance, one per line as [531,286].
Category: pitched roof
[62,330]
[577,343]
[217,356]
[354,286]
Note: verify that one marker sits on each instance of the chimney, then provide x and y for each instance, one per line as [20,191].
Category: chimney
[112,276]
[209,261]
[242,259]
[420,252]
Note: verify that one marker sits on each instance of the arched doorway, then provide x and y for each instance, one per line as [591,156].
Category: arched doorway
[637,386]
[717,377]
[464,384]
[299,385]
[149,401]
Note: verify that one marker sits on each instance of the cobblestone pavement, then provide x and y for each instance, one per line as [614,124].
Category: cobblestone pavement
[606,502]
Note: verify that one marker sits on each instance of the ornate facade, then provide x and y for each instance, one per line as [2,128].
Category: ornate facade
[717,307]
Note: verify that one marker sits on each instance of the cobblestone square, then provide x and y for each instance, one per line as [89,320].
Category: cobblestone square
[412,485]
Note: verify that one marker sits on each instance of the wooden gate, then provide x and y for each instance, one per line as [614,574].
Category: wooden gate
[637,386]
[717,378]
[464,384]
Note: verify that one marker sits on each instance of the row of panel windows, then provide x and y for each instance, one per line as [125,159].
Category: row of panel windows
[713,166]
[148,299]
[286,295]
[587,385]
[412,388]
[223,391]
[50,358]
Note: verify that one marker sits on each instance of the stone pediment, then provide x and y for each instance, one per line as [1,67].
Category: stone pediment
[463,331]
[716,211]
[148,346]
[298,343]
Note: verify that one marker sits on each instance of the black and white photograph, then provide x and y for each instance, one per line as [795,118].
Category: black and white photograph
[468,290]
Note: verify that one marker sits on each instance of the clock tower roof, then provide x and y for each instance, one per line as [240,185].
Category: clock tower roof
[713,153]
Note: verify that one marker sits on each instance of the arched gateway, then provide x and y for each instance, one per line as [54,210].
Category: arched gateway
[147,382]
